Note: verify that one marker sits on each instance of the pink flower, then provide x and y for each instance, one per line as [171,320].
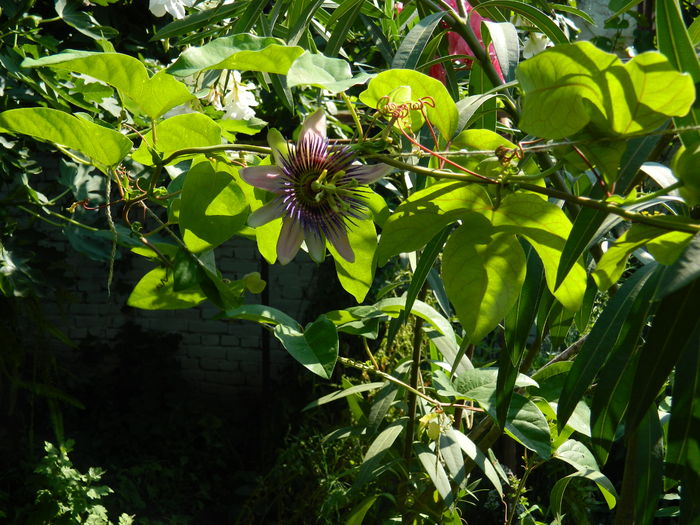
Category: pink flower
[456,45]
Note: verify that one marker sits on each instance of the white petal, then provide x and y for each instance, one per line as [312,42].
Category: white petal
[271,211]
[314,123]
[265,177]
[289,241]
[370,172]
[339,240]
[316,244]
[156,7]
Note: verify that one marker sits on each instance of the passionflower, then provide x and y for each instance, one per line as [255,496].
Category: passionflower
[320,190]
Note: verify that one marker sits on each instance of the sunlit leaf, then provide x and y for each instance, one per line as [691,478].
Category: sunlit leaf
[332,74]
[155,292]
[316,347]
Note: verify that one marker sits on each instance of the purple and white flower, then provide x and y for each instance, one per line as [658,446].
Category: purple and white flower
[320,190]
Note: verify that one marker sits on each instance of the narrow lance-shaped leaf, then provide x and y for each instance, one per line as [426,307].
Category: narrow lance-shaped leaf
[409,52]
[433,467]
[675,326]
[615,380]
[602,337]
[517,324]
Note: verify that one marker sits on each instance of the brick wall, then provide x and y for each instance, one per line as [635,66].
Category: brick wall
[220,357]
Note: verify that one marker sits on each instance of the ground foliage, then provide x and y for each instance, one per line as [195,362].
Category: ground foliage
[523,342]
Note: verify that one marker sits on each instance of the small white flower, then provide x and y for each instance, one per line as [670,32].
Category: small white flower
[238,100]
[175,7]
[535,43]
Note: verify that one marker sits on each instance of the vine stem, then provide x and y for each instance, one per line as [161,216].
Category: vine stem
[516,182]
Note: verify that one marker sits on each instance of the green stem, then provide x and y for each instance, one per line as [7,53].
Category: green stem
[658,193]
[213,149]
[58,215]
[355,117]
[529,467]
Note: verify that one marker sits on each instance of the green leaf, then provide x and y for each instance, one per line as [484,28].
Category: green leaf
[356,277]
[602,337]
[477,456]
[196,21]
[316,348]
[192,130]
[213,205]
[343,18]
[539,19]
[422,310]
[103,145]
[357,516]
[420,217]
[615,380]
[69,11]
[153,96]
[604,485]
[507,46]
[416,86]
[577,455]
[583,231]
[525,423]
[425,264]
[681,273]
[412,46]
[244,52]
[568,86]
[683,455]
[610,267]
[644,471]
[155,292]
[340,394]
[379,447]
[545,226]
[674,42]
[433,467]
[517,325]
[675,326]
[332,74]
[260,314]
[482,275]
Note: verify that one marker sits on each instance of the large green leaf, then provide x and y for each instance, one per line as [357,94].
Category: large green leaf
[602,337]
[245,52]
[155,292]
[356,277]
[153,96]
[577,455]
[332,74]
[103,145]
[192,130]
[415,86]
[482,275]
[685,270]
[213,205]
[420,217]
[546,227]
[675,327]
[674,42]
[568,86]
[316,347]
